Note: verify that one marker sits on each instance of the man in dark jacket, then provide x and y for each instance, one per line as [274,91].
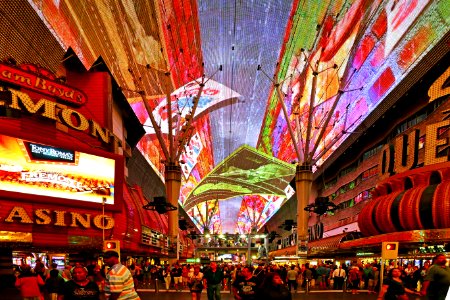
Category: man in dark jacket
[212,279]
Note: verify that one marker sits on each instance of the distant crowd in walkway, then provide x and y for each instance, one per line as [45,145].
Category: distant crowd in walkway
[243,281]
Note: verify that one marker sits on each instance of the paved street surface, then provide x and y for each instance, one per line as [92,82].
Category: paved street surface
[13,294]
[228,296]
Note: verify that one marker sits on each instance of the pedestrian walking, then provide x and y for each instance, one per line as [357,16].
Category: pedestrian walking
[393,287]
[212,279]
[245,287]
[29,284]
[79,287]
[437,280]
[195,283]
[119,281]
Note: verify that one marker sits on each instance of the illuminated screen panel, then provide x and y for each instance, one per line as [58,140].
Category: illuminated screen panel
[36,169]
[374,46]
[182,38]
[245,172]
[196,159]
[214,96]
[127,36]
[206,215]
[256,210]
[250,213]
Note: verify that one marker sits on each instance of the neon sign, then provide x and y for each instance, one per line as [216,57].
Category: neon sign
[58,218]
[56,112]
[38,83]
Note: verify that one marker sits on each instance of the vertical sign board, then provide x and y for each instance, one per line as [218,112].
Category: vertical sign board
[302,248]
[112,245]
[389,250]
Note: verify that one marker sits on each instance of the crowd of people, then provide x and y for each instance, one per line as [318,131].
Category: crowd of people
[113,282]
[116,281]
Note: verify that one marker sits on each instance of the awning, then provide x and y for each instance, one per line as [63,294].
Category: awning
[405,237]
[283,252]
[332,243]
[328,244]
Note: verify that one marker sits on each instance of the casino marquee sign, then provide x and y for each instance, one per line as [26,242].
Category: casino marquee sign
[22,101]
[41,80]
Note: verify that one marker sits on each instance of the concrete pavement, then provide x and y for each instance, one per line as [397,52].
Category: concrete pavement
[13,294]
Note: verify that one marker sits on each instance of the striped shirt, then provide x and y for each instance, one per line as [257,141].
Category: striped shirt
[119,280]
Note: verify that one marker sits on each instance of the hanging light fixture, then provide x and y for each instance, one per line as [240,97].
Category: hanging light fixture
[321,205]
[160,205]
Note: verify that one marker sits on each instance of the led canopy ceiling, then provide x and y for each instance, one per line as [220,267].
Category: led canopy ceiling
[334,61]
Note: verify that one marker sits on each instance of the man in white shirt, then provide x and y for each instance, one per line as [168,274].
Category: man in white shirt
[338,278]
[291,279]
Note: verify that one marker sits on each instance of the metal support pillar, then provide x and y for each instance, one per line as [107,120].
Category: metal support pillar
[172,176]
[249,249]
[266,246]
[303,183]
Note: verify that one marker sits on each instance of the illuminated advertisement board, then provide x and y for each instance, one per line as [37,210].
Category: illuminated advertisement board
[37,169]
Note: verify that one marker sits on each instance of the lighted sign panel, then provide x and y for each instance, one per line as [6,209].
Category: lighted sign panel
[41,80]
[37,169]
[43,153]
[153,238]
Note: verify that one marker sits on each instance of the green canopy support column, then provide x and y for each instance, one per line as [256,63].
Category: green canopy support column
[303,183]
[172,177]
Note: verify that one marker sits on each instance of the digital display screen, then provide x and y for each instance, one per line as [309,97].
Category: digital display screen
[37,169]
[256,210]
[245,172]
[206,215]
[373,46]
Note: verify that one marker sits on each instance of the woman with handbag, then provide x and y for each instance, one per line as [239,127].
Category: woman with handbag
[393,288]
[195,283]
